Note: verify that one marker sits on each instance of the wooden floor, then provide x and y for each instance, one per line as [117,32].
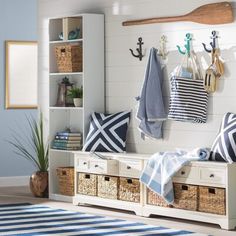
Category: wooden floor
[22,194]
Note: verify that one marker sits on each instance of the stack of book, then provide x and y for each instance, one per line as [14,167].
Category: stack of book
[67,141]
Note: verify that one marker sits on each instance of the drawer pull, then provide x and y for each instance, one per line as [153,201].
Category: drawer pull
[212,176]
[184,187]
[129,181]
[212,191]
[96,166]
[85,163]
[182,172]
[128,167]
[106,178]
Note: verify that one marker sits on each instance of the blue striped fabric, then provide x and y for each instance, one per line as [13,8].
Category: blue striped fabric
[26,219]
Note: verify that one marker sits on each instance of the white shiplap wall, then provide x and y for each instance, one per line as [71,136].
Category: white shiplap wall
[124,73]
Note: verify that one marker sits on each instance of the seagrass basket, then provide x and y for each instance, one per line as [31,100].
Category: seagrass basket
[87,184]
[66,180]
[212,200]
[108,186]
[186,196]
[69,58]
[129,189]
[156,200]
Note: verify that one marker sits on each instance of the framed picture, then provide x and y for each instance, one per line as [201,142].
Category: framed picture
[21,74]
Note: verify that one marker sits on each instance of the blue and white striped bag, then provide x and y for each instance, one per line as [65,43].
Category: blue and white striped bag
[188,100]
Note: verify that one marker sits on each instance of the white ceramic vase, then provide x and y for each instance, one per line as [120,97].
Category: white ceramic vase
[78,102]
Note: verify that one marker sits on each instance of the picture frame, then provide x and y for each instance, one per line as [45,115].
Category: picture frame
[21,75]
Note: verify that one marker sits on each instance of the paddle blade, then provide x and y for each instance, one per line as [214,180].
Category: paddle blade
[212,14]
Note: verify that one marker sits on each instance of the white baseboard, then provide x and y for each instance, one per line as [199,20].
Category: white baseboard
[14,181]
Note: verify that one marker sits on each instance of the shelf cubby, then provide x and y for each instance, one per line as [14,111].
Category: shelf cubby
[55,80]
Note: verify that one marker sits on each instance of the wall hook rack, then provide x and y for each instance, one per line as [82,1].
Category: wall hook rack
[162,49]
[139,49]
[213,44]
[187,46]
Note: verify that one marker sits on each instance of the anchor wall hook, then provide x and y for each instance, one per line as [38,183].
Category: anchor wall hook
[213,43]
[162,49]
[139,49]
[187,46]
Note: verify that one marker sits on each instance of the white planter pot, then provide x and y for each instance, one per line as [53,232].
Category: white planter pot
[78,102]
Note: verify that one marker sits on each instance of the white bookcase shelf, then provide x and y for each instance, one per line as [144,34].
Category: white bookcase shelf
[91,78]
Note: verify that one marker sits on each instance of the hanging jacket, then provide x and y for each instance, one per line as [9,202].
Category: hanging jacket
[151,110]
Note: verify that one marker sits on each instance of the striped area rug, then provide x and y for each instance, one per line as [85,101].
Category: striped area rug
[26,219]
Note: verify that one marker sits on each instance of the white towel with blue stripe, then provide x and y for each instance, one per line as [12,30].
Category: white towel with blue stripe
[161,167]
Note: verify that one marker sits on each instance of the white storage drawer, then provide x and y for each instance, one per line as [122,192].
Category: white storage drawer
[107,167]
[130,168]
[210,175]
[188,172]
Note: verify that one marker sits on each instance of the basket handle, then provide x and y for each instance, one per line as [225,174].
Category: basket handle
[129,181]
[87,176]
[106,178]
[184,187]
[211,190]
[63,172]
[63,50]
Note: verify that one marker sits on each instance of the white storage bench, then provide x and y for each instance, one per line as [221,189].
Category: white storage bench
[211,184]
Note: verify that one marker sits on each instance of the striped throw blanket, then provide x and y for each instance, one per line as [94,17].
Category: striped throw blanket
[188,100]
[161,167]
[30,220]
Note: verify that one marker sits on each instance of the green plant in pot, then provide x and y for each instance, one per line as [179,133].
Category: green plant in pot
[77,95]
[33,148]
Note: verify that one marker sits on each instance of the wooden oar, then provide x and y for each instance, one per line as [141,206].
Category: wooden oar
[212,14]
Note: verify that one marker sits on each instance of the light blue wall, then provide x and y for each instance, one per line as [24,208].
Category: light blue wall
[18,21]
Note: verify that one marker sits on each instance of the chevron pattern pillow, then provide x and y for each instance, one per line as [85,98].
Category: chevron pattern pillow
[224,146]
[107,133]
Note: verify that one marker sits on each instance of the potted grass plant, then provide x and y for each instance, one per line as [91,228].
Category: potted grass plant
[34,149]
[77,95]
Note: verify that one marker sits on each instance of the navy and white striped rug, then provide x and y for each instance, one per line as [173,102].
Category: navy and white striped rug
[26,219]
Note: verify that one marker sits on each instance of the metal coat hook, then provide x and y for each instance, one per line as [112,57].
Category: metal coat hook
[139,49]
[162,49]
[187,46]
[214,37]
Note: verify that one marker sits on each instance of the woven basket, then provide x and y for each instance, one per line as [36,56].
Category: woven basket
[154,199]
[212,200]
[69,58]
[87,184]
[186,196]
[108,186]
[66,180]
[129,189]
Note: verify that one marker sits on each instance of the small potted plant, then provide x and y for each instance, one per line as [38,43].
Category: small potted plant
[77,95]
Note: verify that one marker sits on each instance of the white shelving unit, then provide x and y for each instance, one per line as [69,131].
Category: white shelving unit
[91,77]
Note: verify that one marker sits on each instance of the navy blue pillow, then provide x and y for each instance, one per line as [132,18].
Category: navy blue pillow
[224,146]
[107,133]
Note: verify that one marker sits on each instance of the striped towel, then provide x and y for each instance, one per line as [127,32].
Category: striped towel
[161,167]
[188,100]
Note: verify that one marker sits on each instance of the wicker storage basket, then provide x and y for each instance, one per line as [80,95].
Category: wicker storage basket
[154,199]
[129,189]
[108,186]
[69,58]
[66,180]
[212,200]
[87,184]
[186,196]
